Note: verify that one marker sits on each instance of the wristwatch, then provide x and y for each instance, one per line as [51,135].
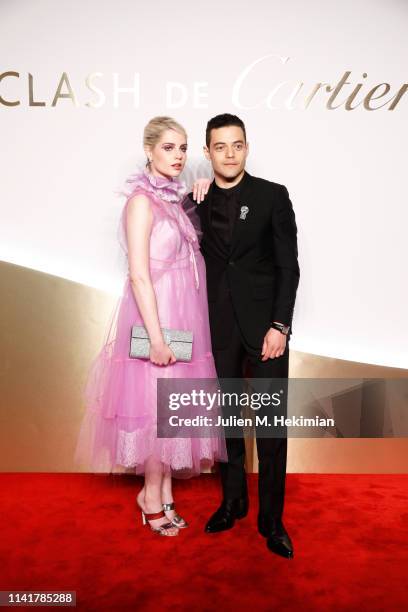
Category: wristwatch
[284,329]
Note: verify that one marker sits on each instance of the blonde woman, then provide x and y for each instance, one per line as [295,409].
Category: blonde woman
[165,288]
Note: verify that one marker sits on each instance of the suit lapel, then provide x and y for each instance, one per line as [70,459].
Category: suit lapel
[244,199]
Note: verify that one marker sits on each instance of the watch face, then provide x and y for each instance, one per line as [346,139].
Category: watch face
[285,330]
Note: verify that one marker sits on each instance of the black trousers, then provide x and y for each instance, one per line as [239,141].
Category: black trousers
[231,360]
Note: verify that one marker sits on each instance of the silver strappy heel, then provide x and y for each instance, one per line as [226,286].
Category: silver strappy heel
[178,520]
[163,530]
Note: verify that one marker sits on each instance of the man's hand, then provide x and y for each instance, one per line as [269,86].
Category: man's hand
[274,344]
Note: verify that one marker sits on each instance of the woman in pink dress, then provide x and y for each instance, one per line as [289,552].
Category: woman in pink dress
[165,288]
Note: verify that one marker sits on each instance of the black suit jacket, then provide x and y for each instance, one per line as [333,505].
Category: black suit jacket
[260,268]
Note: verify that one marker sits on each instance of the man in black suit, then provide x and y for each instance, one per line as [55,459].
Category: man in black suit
[249,244]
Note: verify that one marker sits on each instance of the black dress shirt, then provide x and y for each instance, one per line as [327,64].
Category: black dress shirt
[224,210]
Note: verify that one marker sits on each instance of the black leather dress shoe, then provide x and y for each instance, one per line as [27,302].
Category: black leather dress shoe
[278,540]
[224,518]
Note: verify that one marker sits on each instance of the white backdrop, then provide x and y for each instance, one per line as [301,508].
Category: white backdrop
[344,169]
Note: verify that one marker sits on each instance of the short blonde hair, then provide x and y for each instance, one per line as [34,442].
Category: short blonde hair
[155,128]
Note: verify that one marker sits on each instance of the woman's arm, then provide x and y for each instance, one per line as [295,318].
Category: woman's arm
[139,225]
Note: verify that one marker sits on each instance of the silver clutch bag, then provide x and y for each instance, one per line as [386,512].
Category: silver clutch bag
[179,340]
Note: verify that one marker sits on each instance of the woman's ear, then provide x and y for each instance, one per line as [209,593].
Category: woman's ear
[148,154]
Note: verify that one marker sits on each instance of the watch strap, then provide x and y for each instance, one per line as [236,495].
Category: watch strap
[284,329]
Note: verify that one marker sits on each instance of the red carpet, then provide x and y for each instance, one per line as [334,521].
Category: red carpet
[82,532]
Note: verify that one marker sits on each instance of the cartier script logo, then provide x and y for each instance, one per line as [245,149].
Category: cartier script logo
[98,89]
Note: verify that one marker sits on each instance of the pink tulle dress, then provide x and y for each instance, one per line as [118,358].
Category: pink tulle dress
[119,428]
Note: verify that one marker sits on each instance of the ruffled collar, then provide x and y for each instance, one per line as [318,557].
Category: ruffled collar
[167,189]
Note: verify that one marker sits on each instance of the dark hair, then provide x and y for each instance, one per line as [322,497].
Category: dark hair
[223,120]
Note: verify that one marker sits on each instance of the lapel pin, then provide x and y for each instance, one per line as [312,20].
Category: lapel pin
[244,212]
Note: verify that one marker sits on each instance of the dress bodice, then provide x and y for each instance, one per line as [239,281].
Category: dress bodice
[173,239]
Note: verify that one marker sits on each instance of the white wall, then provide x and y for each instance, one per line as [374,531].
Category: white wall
[344,170]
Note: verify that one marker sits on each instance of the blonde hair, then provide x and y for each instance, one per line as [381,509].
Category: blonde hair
[155,128]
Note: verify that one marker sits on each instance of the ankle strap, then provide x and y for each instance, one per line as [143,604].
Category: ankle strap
[168,507]
[154,515]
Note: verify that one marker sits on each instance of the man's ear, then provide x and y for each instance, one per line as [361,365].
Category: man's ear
[247,149]
[206,153]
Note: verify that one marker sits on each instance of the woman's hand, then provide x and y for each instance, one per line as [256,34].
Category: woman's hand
[161,354]
[200,189]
